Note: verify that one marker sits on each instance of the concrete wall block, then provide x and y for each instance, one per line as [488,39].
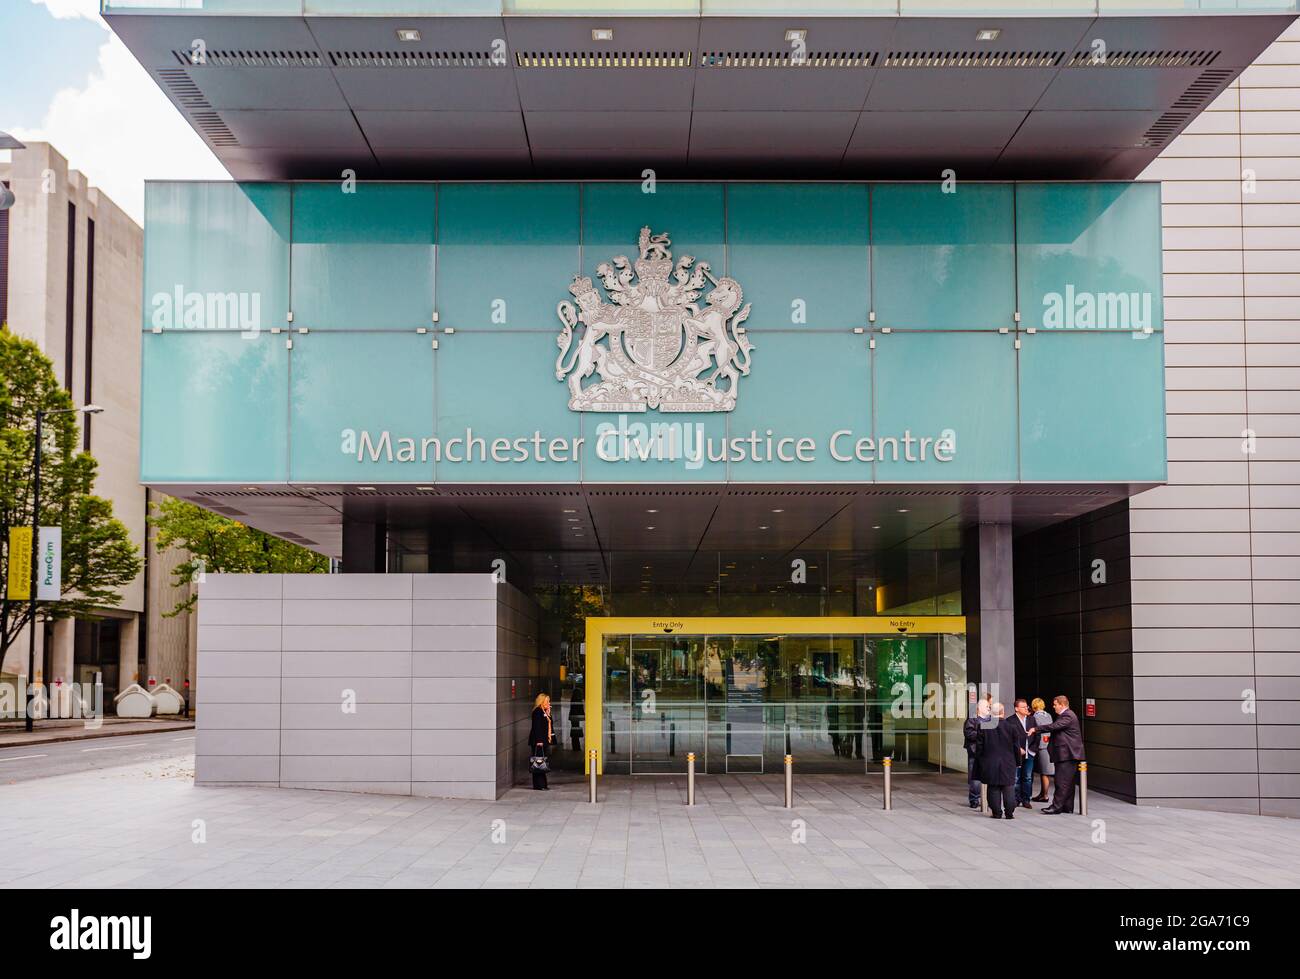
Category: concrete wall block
[348,587]
[341,638]
[247,611]
[453,742]
[356,612]
[453,768]
[240,638]
[374,663]
[451,638]
[233,768]
[454,790]
[238,587]
[239,717]
[214,663]
[336,742]
[454,717]
[220,742]
[455,586]
[345,768]
[454,611]
[453,690]
[380,717]
[481,664]
[241,690]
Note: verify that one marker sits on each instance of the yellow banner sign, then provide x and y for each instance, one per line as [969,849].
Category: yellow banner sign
[18,576]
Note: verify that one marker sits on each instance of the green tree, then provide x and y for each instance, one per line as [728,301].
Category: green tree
[217,544]
[98,556]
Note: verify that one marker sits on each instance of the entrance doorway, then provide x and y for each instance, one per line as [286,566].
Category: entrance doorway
[841,694]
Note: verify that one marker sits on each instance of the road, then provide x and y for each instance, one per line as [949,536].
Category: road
[22,763]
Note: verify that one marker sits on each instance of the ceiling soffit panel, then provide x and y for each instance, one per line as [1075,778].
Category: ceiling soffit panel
[293,97]
[650,64]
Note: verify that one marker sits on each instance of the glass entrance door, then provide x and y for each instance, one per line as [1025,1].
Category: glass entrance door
[666,709]
[837,702]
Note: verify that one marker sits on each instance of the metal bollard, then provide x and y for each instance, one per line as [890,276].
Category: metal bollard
[1083,788]
[789,781]
[591,759]
[690,778]
[889,793]
[984,797]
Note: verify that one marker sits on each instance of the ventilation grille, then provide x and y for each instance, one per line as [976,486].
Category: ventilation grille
[415,59]
[1189,103]
[973,59]
[604,59]
[787,59]
[1144,59]
[200,110]
[293,538]
[250,59]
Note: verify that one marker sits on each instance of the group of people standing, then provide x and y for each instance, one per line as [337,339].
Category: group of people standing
[1004,752]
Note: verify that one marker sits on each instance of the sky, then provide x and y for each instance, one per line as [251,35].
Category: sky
[67,80]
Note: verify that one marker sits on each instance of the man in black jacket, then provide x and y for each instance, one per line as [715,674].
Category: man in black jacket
[970,736]
[1000,749]
[1066,748]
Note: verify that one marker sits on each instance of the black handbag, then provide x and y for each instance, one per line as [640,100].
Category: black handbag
[538,763]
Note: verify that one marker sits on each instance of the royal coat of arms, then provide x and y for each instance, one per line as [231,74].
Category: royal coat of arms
[652,345]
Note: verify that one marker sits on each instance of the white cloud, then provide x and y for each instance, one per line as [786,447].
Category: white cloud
[67,9]
[119,129]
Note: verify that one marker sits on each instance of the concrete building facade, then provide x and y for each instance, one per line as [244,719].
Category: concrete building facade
[71,282]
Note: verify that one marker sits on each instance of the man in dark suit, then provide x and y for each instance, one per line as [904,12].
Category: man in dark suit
[970,735]
[1066,747]
[1000,749]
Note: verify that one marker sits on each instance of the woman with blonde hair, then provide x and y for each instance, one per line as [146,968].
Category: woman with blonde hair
[1042,758]
[540,738]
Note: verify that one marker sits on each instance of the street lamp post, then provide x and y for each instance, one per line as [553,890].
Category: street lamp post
[36,529]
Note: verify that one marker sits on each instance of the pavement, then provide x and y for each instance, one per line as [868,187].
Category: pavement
[14,733]
[145,824]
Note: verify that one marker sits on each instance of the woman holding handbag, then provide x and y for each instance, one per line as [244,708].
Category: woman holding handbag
[540,739]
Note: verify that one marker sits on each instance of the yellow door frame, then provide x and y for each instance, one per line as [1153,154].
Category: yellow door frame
[802,625]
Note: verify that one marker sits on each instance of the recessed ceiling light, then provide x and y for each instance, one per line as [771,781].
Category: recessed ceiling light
[902,510]
[408,34]
[652,511]
[365,487]
[796,34]
[763,527]
[778,511]
[602,33]
[570,511]
[988,34]
[650,528]
[875,526]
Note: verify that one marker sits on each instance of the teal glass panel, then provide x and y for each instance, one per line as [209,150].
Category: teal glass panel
[213,408]
[216,256]
[933,384]
[1089,256]
[499,385]
[506,254]
[800,253]
[691,214]
[944,261]
[364,260]
[345,384]
[1092,407]
[806,385]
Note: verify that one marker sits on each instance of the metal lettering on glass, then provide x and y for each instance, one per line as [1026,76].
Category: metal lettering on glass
[653,346]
